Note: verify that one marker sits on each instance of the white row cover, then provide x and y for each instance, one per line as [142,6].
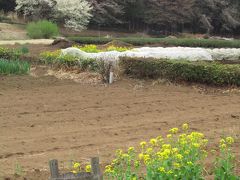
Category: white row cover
[173,53]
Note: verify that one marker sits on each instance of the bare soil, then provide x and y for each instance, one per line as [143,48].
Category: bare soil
[43,118]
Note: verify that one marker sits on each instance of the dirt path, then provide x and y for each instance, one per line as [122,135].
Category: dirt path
[30,41]
[45,118]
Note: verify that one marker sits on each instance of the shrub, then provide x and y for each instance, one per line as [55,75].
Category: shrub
[201,72]
[6,53]
[178,156]
[42,29]
[90,40]
[13,67]
[186,42]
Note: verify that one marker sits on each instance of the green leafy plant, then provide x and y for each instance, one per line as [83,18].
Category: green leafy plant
[7,53]
[224,165]
[180,155]
[201,72]
[18,171]
[24,50]
[8,67]
[49,57]
[42,29]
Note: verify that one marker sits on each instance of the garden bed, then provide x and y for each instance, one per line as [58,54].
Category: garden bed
[185,42]
[201,72]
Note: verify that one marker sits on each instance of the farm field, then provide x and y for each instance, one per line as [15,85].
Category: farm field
[45,118]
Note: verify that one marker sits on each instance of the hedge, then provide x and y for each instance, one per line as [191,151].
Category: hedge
[200,72]
[186,42]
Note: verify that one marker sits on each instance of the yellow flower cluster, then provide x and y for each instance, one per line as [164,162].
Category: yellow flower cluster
[76,168]
[224,143]
[176,153]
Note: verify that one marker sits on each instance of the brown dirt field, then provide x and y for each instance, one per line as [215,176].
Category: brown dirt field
[44,118]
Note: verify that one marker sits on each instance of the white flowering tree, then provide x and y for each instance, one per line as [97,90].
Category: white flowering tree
[74,14]
[36,9]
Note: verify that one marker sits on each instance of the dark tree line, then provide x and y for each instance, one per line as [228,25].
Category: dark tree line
[163,16]
[169,16]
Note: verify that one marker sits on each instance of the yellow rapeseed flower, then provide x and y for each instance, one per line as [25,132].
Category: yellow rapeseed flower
[222,141]
[140,156]
[223,146]
[196,145]
[146,159]
[189,163]
[161,169]
[229,140]
[185,126]
[76,165]
[179,156]
[176,165]
[169,136]
[173,130]
[166,146]
[130,149]
[153,142]
[143,144]
[74,172]
[88,168]
[149,150]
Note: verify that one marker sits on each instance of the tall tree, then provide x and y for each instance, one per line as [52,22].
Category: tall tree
[168,15]
[106,12]
[7,5]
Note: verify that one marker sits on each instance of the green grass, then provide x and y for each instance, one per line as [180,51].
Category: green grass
[186,42]
[16,67]
[42,29]
[200,72]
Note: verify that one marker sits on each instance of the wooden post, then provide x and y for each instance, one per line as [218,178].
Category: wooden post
[53,164]
[110,73]
[96,168]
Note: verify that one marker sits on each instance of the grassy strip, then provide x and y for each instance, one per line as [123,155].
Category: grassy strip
[13,67]
[200,72]
[186,42]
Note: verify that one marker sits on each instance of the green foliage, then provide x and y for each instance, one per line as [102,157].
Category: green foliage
[176,157]
[224,166]
[42,29]
[90,40]
[48,57]
[13,67]
[18,170]
[24,50]
[201,72]
[7,53]
[186,42]
[56,59]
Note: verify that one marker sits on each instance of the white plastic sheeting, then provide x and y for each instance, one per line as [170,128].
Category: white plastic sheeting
[174,53]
